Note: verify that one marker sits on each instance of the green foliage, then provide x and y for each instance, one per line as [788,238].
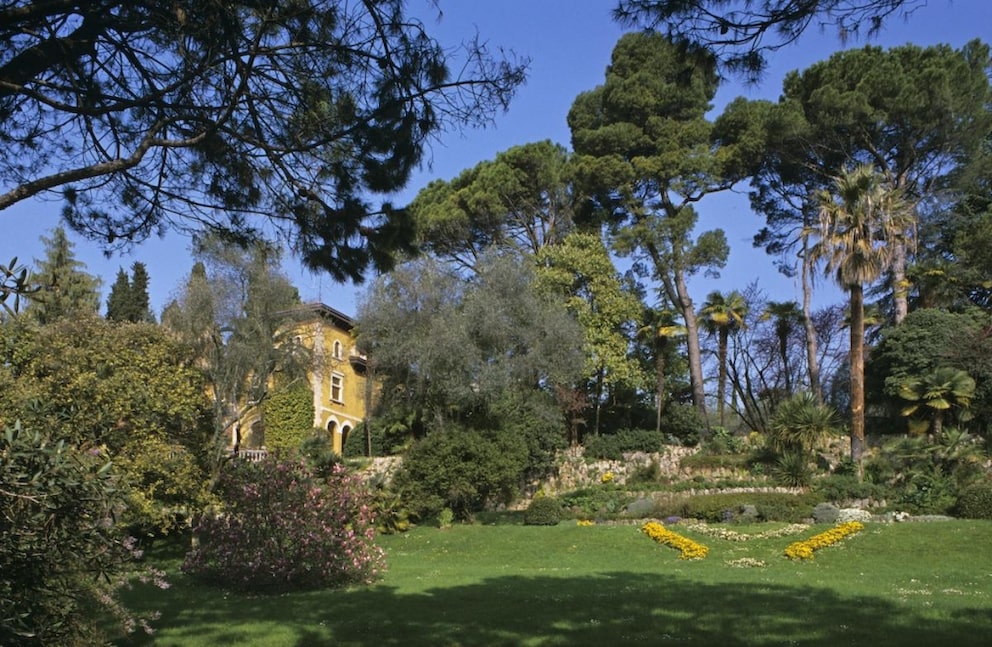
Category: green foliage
[613,446]
[351,98]
[944,392]
[580,270]
[14,283]
[757,31]
[800,423]
[116,383]
[646,152]
[683,422]
[722,441]
[61,558]
[392,515]
[288,414]
[128,300]
[462,469]
[66,289]
[543,511]
[600,501]
[930,474]
[843,488]
[355,445]
[318,451]
[450,350]
[771,506]
[167,486]
[975,502]
[793,469]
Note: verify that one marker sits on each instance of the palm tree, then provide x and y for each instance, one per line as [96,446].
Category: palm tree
[722,315]
[659,330]
[862,221]
[938,392]
[787,316]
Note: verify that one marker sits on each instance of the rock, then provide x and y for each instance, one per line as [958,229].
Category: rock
[931,517]
[853,514]
[825,513]
[747,513]
[640,508]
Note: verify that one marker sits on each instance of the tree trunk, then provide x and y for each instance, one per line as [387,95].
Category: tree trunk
[721,386]
[857,375]
[661,348]
[783,351]
[812,362]
[599,400]
[900,288]
[692,345]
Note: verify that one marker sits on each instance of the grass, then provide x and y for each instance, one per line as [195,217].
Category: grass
[902,584]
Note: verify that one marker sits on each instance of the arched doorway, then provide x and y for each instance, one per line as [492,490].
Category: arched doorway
[345,430]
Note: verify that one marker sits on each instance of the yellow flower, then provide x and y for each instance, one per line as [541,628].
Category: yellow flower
[687,548]
[607,477]
[804,549]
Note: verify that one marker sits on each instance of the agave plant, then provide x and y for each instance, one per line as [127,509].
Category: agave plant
[800,423]
[944,391]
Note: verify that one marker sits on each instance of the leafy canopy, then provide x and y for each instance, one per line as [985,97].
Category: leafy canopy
[246,117]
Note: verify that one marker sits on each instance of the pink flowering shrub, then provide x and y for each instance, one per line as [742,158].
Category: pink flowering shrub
[281,528]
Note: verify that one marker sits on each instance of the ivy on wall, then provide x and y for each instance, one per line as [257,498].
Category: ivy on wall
[288,415]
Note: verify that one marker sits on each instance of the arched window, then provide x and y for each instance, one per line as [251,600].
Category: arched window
[332,425]
[345,430]
[337,349]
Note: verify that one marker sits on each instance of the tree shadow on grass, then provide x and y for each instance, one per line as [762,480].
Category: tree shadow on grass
[612,608]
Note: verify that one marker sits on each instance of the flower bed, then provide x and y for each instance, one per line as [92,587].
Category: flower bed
[805,549]
[688,549]
[732,535]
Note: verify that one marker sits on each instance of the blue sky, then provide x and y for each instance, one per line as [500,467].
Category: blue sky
[569,43]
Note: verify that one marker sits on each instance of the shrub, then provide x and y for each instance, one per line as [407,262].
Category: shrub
[771,506]
[461,469]
[356,445]
[596,502]
[683,422]
[841,488]
[543,511]
[800,423]
[793,469]
[976,502]
[167,486]
[318,451]
[613,446]
[62,558]
[283,528]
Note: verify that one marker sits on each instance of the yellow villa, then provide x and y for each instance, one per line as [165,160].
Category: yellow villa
[338,379]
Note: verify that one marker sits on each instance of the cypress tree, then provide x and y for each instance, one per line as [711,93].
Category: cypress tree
[120,294]
[140,309]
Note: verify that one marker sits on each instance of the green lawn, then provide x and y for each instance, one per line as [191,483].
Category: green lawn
[902,584]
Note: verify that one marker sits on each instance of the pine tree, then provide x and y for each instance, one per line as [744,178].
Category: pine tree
[66,289]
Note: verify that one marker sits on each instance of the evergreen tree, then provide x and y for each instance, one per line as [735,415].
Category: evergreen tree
[66,289]
[128,300]
[120,294]
[140,303]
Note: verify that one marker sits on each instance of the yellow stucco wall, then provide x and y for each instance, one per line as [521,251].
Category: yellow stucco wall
[338,379]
